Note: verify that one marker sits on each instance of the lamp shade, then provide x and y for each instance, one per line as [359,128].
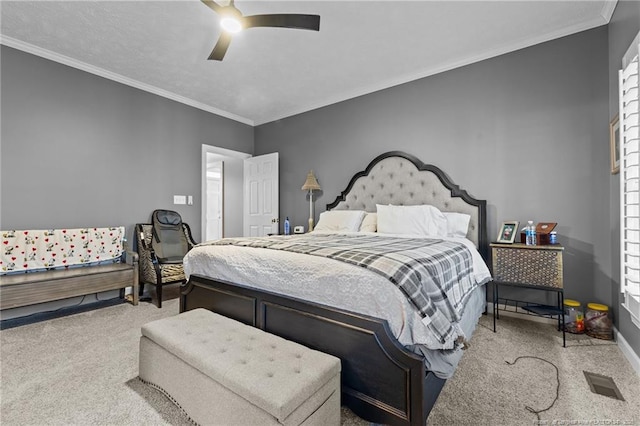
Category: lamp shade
[311,184]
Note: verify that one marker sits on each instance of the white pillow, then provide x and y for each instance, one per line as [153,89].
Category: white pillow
[369,223]
[340,221]
[457,224]
[422,220]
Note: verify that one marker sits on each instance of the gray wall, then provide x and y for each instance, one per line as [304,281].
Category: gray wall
[527,131]
[80,150]
[623,27]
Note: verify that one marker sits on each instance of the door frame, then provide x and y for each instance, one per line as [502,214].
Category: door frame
[210,149]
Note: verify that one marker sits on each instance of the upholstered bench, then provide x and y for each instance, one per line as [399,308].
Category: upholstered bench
[220,371]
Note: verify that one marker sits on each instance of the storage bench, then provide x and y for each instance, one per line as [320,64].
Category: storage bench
[46,286]
[220,371]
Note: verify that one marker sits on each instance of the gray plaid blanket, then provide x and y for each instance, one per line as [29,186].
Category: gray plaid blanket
[435,275]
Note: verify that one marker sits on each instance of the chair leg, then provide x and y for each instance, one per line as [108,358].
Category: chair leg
[141,288]
[159,294]
[158,284]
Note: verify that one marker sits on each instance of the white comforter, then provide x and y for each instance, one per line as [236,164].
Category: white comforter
[326,281]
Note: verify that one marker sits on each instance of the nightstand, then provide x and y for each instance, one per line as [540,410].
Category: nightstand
[536,267]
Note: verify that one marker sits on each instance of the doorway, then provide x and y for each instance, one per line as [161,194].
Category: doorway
[222,192]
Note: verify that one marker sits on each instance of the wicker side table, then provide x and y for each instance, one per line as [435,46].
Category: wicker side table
[537,267]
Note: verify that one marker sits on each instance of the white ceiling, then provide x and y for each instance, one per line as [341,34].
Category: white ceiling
[268,74]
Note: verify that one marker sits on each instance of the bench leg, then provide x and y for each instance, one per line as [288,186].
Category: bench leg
[135,293]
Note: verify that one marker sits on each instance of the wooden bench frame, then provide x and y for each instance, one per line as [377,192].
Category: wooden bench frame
[46,286]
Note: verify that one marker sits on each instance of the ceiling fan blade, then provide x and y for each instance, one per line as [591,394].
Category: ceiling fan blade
[221,47]
[282,20]
[213,5]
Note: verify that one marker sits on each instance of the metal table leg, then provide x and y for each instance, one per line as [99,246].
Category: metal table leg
[561,294]
[495,304]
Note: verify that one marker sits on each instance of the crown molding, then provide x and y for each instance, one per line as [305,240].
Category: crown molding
[407,78]
[608,8]
[74,63]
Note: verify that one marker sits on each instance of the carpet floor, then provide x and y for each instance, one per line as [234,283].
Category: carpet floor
[82,370]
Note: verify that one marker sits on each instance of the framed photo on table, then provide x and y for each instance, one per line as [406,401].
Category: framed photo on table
[508,232]
[614,144]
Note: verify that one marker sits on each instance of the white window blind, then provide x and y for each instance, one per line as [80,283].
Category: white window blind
[630,182]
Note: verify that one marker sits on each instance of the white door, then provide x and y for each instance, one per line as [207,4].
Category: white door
[214,200]
[261,195]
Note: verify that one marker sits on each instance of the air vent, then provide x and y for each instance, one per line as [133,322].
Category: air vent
[603,385]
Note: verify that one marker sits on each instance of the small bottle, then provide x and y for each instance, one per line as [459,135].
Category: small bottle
[287,226]
[530,233]
[553,237]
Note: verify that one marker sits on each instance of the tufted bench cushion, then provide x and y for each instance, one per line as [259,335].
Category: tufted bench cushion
[220,371]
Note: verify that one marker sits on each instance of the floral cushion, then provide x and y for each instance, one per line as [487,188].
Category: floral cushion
[28,250]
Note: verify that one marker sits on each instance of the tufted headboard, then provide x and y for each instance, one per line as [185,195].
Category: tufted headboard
[399,178]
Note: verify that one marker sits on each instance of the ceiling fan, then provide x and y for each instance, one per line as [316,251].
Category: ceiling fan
[232,22]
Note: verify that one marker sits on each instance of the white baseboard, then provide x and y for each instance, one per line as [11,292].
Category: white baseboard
[628,352]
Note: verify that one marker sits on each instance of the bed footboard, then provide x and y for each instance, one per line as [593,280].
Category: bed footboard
[381,381]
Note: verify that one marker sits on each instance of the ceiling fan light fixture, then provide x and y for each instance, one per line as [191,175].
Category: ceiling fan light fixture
[232,21]
[231,24]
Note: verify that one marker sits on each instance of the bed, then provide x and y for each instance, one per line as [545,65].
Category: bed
[385,377]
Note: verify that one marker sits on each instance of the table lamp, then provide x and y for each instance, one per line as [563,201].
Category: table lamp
[311,184]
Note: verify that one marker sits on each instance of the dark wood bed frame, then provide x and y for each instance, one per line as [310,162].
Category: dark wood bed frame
[382,382]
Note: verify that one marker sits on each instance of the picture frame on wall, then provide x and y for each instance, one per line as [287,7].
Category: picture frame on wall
[508,232]
[614,144]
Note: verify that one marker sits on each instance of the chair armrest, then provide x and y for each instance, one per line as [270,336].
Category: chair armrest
[142,245]
[142,241]
[187,232]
